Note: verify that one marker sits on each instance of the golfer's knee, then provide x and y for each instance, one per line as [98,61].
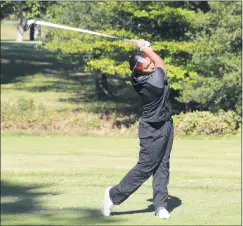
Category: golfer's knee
[146,169]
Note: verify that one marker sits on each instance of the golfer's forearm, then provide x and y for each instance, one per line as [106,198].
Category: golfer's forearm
[154,57]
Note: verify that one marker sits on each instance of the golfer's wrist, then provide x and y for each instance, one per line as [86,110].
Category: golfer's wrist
[146,44]
[145,49]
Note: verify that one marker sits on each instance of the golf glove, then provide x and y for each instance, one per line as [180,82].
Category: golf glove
[145,45]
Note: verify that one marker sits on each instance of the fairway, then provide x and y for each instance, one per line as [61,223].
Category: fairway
[55,179]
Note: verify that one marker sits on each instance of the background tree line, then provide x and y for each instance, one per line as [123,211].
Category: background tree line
[199,41]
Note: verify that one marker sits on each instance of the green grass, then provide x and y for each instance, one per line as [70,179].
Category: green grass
[8,32]
[61,180]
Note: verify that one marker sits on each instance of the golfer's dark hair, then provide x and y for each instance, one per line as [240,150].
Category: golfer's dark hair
[133,59]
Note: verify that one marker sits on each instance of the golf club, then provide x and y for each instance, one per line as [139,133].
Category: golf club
[29,22]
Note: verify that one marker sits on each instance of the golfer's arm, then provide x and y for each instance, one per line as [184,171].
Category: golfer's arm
[154,57]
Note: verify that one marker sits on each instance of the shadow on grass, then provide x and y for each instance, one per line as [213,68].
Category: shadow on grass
[19,199]
[20,59]
[173,202]
[93,216]
[24,198]
[149,209]
[123,101]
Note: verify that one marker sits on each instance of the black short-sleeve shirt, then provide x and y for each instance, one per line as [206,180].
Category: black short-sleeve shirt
[154,91]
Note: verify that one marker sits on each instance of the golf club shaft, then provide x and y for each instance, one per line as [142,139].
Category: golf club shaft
[79,30]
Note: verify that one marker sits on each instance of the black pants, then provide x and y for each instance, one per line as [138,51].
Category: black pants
[156,141]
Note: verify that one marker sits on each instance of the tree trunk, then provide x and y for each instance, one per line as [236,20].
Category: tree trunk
[20,29]
[101,86]
[34,32]
[188,107]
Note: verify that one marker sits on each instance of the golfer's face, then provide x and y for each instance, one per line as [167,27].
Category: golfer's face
[148,64]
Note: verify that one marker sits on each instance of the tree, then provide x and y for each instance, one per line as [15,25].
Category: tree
[20,29]
[165,28]
[199,42]
[9,7]
[21,9]
[217,59]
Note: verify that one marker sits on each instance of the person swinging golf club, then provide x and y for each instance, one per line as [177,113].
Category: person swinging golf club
[156,132]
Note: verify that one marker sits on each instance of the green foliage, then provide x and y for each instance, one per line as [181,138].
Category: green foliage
[217,59]
[124,19]
[175,47]
[206,123]
[200,43]
[31,8]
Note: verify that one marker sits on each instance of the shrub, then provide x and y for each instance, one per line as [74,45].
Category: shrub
[23,114]
[26,115]
[205,123]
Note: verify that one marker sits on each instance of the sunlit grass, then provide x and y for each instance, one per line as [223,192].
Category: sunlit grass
[9,31]
[61,180]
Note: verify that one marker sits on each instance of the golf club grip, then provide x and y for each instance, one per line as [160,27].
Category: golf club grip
[78,29]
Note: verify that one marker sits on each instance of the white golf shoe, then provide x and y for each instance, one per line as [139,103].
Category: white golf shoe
[162,213]
[107,204]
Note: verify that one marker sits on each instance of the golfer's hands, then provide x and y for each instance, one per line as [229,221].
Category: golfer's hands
[141,43]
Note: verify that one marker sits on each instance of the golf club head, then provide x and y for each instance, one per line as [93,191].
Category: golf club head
[28,23]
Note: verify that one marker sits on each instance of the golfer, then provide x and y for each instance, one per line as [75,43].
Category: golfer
[156,133]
